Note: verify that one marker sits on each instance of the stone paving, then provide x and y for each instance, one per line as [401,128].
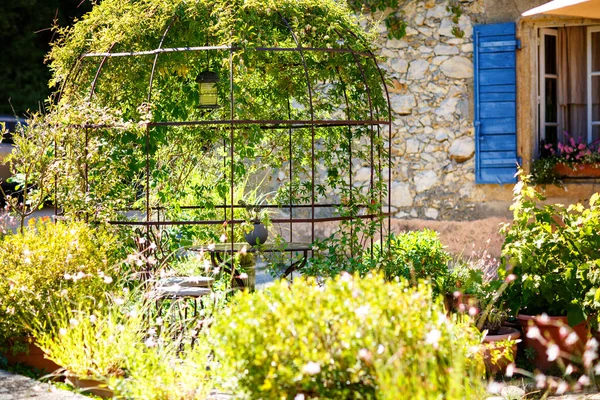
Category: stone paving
[17,387]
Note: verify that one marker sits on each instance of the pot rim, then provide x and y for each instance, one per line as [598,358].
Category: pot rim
[513,334]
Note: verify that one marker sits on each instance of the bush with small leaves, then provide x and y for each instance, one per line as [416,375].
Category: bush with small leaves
[48,262]
[353,338]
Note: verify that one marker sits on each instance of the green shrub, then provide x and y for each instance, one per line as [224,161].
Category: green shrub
[353,338]
[48,262]
[413,255]
[553,254]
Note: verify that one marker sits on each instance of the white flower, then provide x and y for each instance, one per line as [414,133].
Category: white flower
[299,397]
[562,387]
[495,387]
[312,368]
[119,301]
[534,333]
[380,349]
[365,355]
[540,381]
[150,342]
[93,319]
[584,380]
[571,339]
[362,311]
[544,318]
[510,370]
[211,246]
[433,337]
[62,331]
[107,279]
[552,352]
[223,238]
[569,370]
[243,275]
[73,322]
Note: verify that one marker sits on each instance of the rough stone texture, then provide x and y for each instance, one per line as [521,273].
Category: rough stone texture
[13,387]
[431,71]
[462,149]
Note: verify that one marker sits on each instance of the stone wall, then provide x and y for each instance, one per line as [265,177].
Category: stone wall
[432,101]
[433,138]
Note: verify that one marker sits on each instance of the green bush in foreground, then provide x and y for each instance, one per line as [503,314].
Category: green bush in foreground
[49,263]
[354,338]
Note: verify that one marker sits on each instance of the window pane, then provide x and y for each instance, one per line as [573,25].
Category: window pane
[595,51]
[550,50]
[551,134]
[595,133]
[595,98]
[551,103]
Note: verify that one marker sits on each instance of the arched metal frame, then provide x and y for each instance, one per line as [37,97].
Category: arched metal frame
[373,125]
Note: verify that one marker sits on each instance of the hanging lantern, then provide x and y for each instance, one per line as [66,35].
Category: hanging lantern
[207,86]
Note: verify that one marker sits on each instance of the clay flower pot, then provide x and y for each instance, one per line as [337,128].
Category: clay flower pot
[550,330]
[33,357]
[492,343]
[258,235]
[579,171]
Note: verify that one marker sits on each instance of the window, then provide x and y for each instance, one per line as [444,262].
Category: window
[569,84]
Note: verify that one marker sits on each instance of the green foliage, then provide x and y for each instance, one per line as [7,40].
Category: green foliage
[553,252]
[90,344]
[266,86]
[462,278]
[49,263]
[456,10]
[353,338]
[542,171]
[413,255]
[395,24]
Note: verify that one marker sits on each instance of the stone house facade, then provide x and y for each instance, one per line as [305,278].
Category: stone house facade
[437,172]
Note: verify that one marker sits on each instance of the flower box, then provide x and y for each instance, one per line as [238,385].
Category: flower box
[578,170]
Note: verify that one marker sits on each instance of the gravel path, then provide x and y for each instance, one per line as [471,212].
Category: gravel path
[16,387]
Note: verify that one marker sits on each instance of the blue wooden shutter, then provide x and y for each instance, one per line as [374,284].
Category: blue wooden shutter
[495,103]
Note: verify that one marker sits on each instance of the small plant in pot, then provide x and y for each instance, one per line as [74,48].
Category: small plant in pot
[499,341]
[550,255]
[461,285]
[256,222]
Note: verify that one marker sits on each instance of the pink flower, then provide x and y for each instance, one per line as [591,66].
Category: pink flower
[581,146]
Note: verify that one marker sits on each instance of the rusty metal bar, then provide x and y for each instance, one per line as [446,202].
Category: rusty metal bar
[162,40]
[93,89]
[387,94]
[312,122]
[239,221]
[230,48]
[231,152]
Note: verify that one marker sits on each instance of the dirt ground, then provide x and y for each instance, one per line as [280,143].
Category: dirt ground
[466,238]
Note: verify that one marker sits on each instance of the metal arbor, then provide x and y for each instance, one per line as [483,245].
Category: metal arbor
[360,122]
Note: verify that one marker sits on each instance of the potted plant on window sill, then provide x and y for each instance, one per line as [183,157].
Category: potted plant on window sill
[571,159]
[550,254]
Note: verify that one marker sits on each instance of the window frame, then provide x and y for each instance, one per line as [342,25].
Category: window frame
[590,74]
[542,76]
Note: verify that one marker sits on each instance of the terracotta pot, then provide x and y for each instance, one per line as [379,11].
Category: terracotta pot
[580,171]
[550,330]
[34,358]
[504,333]
[90,386]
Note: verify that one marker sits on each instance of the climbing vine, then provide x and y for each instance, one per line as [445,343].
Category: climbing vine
[395,24]
[186,161]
